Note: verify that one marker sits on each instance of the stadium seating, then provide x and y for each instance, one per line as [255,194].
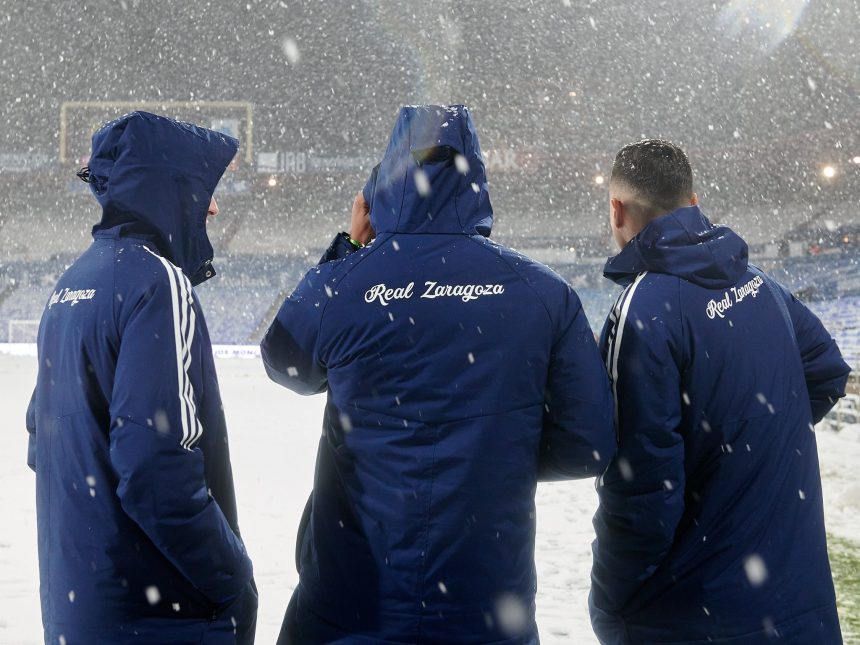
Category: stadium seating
[257,269]
[841,316]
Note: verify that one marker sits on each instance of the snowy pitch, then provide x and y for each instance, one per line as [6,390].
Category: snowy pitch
[273,437]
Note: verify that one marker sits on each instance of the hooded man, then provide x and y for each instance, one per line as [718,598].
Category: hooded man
[138,535]
[711,525]
[458,373]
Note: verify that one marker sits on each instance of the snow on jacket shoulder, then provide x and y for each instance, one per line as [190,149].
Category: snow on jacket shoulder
[710,526]
[458,372]
[138,535]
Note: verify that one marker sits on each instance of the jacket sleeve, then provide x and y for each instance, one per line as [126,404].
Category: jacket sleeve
[290,347]
[154,431]
[577,437]
[825,371]
[339,248]
[31,430]
[642,492]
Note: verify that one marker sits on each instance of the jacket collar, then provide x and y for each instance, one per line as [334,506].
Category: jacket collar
[685,244]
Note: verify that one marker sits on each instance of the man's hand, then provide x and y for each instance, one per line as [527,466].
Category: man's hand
[360,229]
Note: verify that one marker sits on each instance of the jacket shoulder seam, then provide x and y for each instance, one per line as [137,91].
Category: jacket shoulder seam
[345,272]
[520,275]
[114,291]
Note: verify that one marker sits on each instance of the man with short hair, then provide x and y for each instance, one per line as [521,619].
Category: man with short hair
[138,534]
[458,373]
[710,526]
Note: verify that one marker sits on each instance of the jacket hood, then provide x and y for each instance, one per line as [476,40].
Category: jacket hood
[684,244]
[432,177]
[154,178]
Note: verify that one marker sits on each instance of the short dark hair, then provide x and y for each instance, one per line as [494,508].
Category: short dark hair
[657,171]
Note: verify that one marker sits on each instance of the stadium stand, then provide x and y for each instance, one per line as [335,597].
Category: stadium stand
[841,316]
[240,301]
[264,245]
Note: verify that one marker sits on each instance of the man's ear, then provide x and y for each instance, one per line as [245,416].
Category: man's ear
[617,212]
[694,200]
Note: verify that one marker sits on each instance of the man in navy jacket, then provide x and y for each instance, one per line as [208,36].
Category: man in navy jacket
[458,373]
[137,526]
[710,526]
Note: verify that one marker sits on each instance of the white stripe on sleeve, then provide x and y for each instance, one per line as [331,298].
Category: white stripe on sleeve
[619,316]
[188,337]
[184,322]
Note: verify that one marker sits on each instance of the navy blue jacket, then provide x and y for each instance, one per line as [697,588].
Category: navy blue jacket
[458,372]
[711,527]
[138,535]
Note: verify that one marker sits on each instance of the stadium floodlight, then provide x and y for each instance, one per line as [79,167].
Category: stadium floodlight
[599,180]
[828,172]
[856,160]
[273,181]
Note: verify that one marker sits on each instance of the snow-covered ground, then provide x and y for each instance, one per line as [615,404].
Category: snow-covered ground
[273,436]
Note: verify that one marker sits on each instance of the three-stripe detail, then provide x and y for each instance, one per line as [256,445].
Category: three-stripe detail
[617,320]
[184,323]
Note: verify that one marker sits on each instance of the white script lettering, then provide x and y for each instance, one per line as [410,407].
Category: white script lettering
[466,292]
[70,296]
[385,294]
[749,289]
[719,307]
